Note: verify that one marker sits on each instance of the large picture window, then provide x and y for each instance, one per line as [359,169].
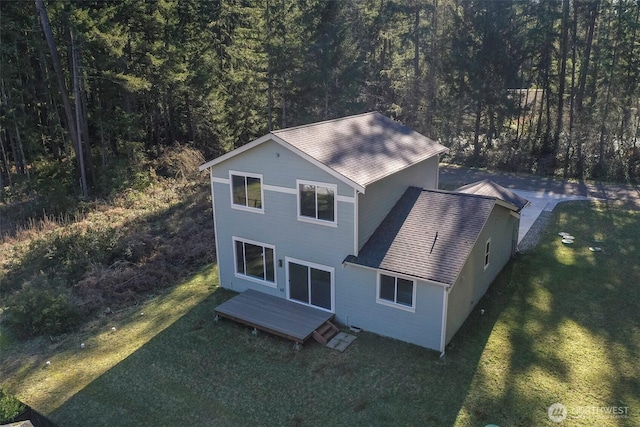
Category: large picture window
[255,260]
[317,201]
[246,191]
[396,291]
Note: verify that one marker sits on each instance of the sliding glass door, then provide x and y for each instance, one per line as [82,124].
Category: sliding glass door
[310,284]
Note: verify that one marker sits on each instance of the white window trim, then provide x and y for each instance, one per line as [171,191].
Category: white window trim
[331,270]
[487,254]
[379,300]
[246,175]
[333,187]
[273,284]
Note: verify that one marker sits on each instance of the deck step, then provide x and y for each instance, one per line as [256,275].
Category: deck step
[325,332]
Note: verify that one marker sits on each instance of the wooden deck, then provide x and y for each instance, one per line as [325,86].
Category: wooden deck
[274,315]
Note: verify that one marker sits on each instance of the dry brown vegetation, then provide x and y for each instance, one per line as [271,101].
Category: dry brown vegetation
[115,253]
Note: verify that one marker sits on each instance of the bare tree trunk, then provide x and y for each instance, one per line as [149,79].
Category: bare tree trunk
[5,161]
[432,75]
[21,162]
[84,119]
[584,70]
[103,144]
[2,190]
[415,96]
[71,122]
[563,73]
[574,36]
[187,103]
[476,135]
[269,70]
[582,83]
[284,69]
[76,94]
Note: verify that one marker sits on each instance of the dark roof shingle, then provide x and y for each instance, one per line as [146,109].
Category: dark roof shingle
[364,148]
[428,234]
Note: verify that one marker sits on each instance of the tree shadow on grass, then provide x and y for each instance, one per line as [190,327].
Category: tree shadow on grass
[570,332]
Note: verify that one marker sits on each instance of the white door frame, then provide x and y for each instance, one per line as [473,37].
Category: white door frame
[332,272]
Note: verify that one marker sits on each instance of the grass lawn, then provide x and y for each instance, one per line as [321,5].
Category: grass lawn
[561,324]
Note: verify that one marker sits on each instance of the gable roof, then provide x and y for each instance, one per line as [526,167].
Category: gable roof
[428,234]
[489,188]
[360,149]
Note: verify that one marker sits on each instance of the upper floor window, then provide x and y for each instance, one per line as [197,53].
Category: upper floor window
[396,291]
[246,191]
[317,201]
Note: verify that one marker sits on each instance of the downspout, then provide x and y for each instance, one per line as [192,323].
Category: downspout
[443,333]
[356,225]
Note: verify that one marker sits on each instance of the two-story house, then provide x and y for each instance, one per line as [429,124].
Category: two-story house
[344,216]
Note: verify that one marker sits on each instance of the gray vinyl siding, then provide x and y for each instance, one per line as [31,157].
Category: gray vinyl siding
[278,225]
[382,195]
[357,306]
[474,280]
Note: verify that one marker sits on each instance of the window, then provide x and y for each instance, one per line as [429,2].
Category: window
[317,201]
[246,191]
[255,260]
[396,291]
[487,251]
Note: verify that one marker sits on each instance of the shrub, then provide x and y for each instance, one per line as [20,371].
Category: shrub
[10,407]
[180,162]
[41,307]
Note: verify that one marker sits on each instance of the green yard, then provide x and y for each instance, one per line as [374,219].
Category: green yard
[561,324]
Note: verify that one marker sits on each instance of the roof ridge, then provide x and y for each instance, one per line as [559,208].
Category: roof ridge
[337,119]
[459,193]
[477,183]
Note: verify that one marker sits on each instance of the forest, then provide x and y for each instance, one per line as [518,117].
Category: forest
[90,90]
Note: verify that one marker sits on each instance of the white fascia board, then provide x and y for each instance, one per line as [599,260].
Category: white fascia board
[507,205]
[215,222]
[395,273]
[235,152]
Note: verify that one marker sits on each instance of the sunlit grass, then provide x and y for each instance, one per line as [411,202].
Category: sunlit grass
[106,343]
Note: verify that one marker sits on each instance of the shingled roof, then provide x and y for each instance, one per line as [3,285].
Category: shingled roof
[359,149]
[428,234]
[364,148]
[489,188]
